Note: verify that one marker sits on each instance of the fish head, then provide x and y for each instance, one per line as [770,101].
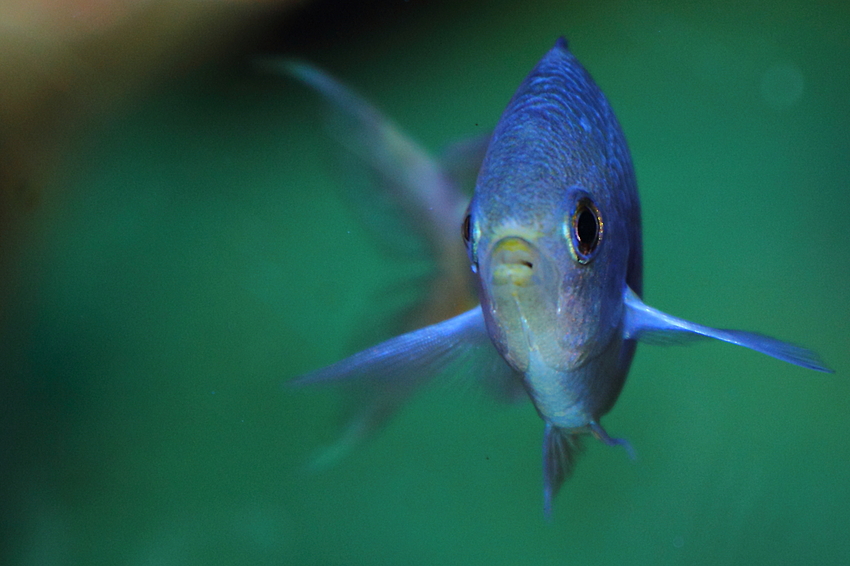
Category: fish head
[548,280]
[552,231]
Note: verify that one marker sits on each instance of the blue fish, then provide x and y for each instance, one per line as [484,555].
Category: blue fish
[553,238]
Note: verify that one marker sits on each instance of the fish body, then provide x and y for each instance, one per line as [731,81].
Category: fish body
[553,238]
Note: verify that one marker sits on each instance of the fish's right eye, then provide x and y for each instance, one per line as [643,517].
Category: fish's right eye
[469,231]
[466,229]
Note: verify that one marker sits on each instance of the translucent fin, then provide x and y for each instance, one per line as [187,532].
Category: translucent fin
[381,378]
[560,449]
[411,356]
[647,324]
[391,177]
[410,203]
[462,160]
[601,435]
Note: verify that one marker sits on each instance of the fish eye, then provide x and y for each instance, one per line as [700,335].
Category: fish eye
[466,229]
[586,230]
[470,234]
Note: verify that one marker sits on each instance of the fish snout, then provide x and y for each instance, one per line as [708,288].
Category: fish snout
[514,261]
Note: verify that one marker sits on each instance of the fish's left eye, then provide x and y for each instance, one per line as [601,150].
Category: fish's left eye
[586,230]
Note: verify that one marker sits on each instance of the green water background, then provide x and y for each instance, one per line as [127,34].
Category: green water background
[203,255]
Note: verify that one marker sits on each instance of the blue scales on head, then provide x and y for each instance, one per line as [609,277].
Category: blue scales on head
[553,237]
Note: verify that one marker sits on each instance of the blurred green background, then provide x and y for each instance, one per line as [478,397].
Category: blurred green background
[193,252]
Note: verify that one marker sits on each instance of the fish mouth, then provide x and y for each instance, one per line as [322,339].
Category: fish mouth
[520,301]
[513,261]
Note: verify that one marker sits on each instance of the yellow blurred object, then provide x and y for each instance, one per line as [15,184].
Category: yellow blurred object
[64,64]
[108,46]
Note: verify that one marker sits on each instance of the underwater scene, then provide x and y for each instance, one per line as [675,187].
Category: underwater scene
[218,230]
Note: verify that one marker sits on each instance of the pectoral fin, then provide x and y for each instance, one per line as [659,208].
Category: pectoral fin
[650,325]
[382,377]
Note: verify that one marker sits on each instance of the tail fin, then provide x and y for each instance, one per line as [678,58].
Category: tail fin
[411,203]
[399,181]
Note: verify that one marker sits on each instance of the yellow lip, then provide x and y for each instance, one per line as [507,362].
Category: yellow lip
[513,262]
